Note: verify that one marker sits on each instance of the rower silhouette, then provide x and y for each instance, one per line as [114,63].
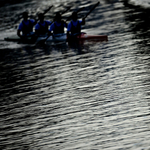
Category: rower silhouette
[41,28]
[58,25]
[26,26]
[74,27]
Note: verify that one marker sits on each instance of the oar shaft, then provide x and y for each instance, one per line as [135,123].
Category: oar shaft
[66,10]
[47,10]
[91,9]
[80,9]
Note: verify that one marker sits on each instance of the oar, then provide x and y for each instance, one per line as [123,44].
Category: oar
[86,16]
[49,8]
[91,10]
[80,9]
[68,8]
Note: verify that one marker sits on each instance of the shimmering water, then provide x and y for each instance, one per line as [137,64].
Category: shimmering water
[142,3]
[56,98]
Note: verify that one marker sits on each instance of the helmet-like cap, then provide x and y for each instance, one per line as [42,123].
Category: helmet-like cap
[58,16]
[25,14]
[41,15]
[74,15]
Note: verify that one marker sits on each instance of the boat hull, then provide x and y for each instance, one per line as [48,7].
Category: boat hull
[93,37]
[62,37]
[81,37]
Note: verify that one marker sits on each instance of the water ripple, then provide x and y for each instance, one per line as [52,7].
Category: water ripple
[55,98]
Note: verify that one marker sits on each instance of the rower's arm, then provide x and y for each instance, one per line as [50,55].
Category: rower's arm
[66,24]
[49,33]
[35,22]
[37,32]
[68,29]
[68,34]
[83,21]
[18,33]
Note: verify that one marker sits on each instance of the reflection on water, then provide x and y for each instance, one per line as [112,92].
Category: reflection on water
[142,3]
[54,97]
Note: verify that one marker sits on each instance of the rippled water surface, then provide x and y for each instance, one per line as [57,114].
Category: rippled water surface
[143,3]
[62,98]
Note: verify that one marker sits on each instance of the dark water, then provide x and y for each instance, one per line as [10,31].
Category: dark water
[54,97]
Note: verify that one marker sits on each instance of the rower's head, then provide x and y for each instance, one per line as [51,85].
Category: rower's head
[41,17]
[74,16]
[25,15]
[58,17]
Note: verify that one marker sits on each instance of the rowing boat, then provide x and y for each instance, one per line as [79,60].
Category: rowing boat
[16,38]
[26,40]
[55,38]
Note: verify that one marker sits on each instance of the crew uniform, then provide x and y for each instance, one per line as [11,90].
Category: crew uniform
[42,27]
[26,26]
[58,27]
[74,27]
